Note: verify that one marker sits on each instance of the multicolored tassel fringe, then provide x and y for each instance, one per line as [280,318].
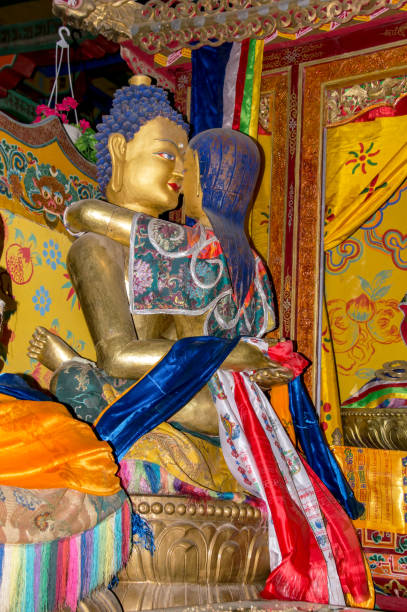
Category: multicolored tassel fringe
[50,575]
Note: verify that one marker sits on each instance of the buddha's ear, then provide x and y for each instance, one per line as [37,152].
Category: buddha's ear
[117,148]
[197,175]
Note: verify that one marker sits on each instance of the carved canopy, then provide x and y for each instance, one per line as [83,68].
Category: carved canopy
[169,25]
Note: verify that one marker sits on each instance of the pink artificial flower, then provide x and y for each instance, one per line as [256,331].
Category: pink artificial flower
[283,353]
[41,109]
[50,112]
[62,106]
[69,102]
[84,125]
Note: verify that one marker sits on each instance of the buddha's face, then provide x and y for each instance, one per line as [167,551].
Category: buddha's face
[147,172]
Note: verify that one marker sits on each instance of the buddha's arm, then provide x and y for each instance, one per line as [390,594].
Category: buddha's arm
[100,217]
[96,265]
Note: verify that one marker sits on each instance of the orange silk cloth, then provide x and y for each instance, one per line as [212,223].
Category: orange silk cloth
[43,447]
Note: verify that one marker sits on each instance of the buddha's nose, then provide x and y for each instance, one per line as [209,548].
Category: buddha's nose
[179,168]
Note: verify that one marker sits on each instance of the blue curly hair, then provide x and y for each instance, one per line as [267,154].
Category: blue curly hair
[133,106]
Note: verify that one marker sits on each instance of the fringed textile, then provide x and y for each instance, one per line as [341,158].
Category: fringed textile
[46,576]
[142,530]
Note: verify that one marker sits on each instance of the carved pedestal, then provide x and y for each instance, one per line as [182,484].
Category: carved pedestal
[206,551]
[375,428]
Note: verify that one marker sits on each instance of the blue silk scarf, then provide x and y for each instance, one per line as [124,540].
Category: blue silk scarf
[317,453]
[163,391]
[208,75]
[15,386]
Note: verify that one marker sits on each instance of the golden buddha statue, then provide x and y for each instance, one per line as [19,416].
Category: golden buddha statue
[141,149]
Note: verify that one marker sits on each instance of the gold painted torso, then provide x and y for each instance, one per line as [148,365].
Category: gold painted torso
[200,413]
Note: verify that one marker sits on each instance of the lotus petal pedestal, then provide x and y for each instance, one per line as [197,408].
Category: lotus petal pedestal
[207,551]
[384,428]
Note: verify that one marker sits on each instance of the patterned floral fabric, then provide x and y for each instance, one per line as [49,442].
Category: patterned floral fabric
[86,389]
[41,515]
[180,270]
[386,553]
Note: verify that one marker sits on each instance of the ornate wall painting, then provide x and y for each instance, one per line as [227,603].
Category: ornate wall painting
[386,553]
[33,272]
[365,274]
[41,172]
[314,77]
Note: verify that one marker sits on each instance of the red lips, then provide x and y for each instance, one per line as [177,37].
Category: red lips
[175,186]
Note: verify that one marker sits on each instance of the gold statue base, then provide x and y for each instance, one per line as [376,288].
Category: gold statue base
[209,551]
[384,428]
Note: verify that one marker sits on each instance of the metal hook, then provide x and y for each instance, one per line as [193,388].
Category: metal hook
[62,42]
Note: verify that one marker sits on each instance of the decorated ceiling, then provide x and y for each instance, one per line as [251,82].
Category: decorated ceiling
[110,40]
[169,25]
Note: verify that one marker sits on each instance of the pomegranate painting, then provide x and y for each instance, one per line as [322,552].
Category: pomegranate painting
[19,263]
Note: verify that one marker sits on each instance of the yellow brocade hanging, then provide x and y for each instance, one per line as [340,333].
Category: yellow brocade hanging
[365,165]
[330,414]
[43,447]
[378,479]
[366,162]
[186,457]
[260,213]
[365,281]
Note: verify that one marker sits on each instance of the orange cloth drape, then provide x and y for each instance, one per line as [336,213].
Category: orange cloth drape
[280,401]
[43,447]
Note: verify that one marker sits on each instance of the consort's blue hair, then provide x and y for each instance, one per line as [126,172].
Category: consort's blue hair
[133,107]
[229,163]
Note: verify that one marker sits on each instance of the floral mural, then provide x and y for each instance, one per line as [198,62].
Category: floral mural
[33,261]
[365,295]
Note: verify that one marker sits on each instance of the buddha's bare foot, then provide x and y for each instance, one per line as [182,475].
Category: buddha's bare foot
[49,349]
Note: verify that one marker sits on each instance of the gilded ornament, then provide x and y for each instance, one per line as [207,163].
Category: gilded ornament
[378,427]
[384,428]
[292,124]
[202,551]
[393,371]
[264,112]
[345,102]
[170,25]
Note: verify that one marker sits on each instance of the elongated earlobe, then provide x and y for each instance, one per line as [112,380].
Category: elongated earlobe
[197,175]
[117,149]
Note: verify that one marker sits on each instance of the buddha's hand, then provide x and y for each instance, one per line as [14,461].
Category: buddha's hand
[284,363]
[275,374]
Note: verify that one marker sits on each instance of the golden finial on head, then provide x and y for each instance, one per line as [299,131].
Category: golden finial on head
[140,79]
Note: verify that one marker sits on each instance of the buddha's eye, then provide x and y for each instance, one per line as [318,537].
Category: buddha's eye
[165,155]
